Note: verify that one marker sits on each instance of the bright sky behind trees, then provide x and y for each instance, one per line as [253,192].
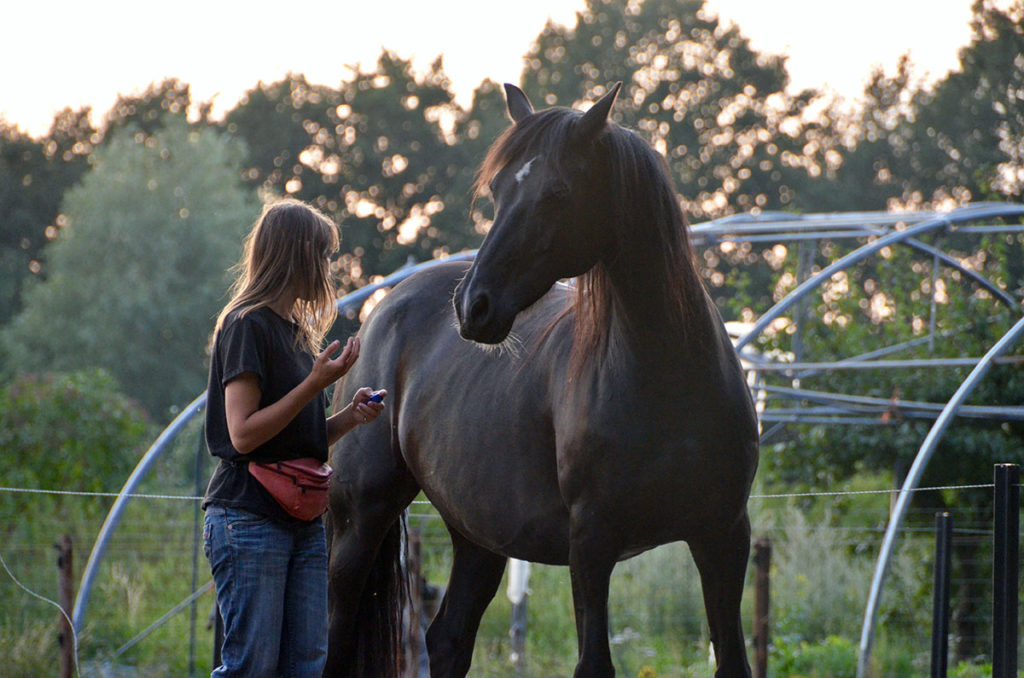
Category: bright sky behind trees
[74,53]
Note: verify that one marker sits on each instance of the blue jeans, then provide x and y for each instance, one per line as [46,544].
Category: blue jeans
[272,593]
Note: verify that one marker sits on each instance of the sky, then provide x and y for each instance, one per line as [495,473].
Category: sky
[73,53]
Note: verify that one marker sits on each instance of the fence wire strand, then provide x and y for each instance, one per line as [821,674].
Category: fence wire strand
[421,516]
[180,497]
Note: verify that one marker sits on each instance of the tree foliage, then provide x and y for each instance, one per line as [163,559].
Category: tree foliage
[138,274]
[718,110]
[150,111]
[956,141]
[391,156]
[68,431]
[379,154]
[34,175]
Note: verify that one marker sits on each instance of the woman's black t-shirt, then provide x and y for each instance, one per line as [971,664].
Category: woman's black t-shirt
[262,343]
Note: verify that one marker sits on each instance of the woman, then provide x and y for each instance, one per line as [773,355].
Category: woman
[266,402]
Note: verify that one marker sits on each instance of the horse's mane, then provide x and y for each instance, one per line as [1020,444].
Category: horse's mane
[645,215]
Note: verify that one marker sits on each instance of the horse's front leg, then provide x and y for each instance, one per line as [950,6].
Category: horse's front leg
[475,577]
[591,561]
[721,559]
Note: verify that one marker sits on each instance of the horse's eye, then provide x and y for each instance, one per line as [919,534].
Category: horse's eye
[556,193]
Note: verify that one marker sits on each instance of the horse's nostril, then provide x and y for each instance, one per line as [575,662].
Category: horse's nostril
[479,308]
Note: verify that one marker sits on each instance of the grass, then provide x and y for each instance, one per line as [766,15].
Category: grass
[818,577]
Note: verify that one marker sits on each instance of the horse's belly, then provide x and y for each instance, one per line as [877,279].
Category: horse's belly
[495,485]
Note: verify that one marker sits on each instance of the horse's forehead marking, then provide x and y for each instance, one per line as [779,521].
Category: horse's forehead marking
[524,171]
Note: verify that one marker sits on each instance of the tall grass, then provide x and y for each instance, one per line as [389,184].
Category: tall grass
[819,580]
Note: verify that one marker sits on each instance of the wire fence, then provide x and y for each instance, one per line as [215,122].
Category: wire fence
[153,573]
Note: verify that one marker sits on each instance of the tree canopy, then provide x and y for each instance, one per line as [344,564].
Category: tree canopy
[717,109]
[391,156]
[138,273]
[953,142]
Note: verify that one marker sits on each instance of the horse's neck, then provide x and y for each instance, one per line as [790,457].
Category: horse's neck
[642,318]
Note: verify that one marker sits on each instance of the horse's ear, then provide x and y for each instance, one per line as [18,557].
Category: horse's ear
[519,106]
[590,125]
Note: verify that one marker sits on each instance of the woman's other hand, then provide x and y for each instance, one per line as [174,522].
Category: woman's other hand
[365,409]
[327,370]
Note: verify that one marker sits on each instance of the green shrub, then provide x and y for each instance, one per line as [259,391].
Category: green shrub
[833,657]
[73,431]
[970,670]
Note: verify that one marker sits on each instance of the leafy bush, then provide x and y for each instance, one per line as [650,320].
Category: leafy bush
[833,657]
[969,670]
[71,431]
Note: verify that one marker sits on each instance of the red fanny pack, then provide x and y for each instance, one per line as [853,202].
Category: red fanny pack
[298,485]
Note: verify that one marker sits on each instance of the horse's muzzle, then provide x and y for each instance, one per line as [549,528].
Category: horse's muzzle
[477,314]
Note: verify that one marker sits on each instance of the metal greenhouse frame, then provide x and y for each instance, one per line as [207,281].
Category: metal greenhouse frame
[872,232]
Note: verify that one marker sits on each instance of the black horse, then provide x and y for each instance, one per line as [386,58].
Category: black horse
[569,424]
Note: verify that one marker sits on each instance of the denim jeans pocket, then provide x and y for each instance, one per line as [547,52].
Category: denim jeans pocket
[237,519]
[245,532]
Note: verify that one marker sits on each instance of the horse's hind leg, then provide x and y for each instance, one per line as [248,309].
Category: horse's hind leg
[364,590]
[352,556]
[721,558]
[475,577]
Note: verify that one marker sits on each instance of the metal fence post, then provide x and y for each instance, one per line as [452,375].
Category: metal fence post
[1004,571]
[218,632]
[940,608]
[197,531]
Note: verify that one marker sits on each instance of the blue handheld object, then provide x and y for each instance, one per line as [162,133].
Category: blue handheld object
[376,397]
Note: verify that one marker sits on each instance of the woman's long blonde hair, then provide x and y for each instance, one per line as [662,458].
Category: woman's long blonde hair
[291,241]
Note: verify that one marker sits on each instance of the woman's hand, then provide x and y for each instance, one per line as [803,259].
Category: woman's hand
[361,410]
[327,370]
[365,410]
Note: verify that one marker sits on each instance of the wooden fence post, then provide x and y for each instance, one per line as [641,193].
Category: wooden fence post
[762,561]
[415,650]
[66,586]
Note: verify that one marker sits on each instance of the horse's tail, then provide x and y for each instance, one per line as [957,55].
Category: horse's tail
[379,625]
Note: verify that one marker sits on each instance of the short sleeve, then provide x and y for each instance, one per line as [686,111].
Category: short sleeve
[242,346]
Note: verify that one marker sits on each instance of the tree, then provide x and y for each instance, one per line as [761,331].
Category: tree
[34,174]
[734,139]
[138,274]
[150,111]
[374,153]
[73,431]
[954,142]
[718,110]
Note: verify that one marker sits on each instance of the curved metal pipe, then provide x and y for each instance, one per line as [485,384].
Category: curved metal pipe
[1000,294]
[99,548]
[913,477]
[962,214]
[168,435]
